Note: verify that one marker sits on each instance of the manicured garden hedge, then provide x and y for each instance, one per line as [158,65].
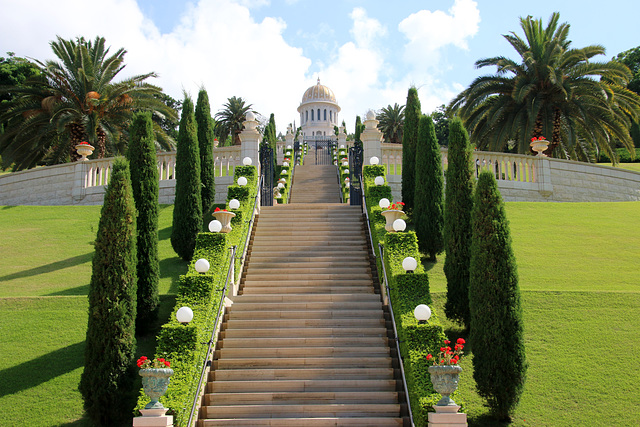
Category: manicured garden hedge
[185,346]
[407,290]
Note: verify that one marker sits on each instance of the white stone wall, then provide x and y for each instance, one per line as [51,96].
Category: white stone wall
[41,186]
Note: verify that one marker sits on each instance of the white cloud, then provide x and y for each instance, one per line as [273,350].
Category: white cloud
[216,44]
[365,30]
[429,32]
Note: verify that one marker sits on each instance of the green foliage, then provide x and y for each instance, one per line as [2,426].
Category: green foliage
[412,115]
[391,123]
[14,71]
[441,123]
[457,222]
[359,129]
[229,120]
[110,343]
[144,181]
[204,123]
[187,214]
[496,330]
[428,216]
[623,155]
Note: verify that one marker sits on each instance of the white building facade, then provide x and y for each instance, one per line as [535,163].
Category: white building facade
[318,112]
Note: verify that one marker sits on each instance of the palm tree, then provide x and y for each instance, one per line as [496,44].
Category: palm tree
[231,117]
[579,105]
[391,123]
[76,100]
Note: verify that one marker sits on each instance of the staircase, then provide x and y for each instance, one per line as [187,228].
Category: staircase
[306,342]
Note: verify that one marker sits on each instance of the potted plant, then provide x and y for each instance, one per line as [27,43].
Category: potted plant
[155,379]
[84,149]
[393,212]
[224,217]
[445,371]
[539,145]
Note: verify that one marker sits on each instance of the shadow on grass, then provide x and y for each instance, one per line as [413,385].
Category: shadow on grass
[78,290]
[4,208]
[173,268]
[41,369]
[485,420]
[165,233]
[48,268]
[427,264]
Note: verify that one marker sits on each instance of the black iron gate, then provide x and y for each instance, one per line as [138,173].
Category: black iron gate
[266,167]
[323,148]
[355,174]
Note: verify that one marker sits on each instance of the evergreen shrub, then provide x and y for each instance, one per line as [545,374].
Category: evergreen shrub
[412,113]
[110,343]
[205,141]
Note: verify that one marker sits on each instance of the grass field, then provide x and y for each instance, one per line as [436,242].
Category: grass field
[577,265]
[629,166]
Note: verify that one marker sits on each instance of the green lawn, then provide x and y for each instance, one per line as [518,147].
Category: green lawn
[578,272]
[577,266]
[630,166]
[45,270]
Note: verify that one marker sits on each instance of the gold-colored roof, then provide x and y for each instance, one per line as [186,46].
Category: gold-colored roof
[318,93]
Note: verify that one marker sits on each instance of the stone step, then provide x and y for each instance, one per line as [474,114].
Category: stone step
[363,304]
[308,263]
[302,362]
[336,299]
[306,289]
[312,251]
[279,342]
[347,244]
[310,397]
[299,386]
[289,236]
[333,273]
[304,332]
[308,314]
[303,410]
[239,353]
[263,259]
[302,323]
[308,278]
[377,373]
[302,421]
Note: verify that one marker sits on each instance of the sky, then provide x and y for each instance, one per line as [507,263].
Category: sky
[269,52]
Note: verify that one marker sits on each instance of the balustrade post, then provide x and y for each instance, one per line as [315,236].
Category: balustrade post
[371,138]
[250,140]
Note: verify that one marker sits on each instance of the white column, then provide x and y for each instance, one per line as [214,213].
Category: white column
[250,140]
[371,138]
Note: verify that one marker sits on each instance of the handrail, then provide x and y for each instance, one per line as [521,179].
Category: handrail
[207,363]
[339,177]
[395,333]
[365,212]
[250,221]
[293,169]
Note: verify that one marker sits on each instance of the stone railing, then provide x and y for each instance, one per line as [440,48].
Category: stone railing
[532,178]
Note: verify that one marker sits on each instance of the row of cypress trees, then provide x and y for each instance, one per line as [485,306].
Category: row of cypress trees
[123,291]
[482,285]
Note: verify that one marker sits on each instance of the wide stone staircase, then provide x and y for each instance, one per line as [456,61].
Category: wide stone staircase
[306,343]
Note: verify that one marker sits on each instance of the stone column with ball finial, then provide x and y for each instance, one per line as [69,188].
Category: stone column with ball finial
[250,140]
[371,138]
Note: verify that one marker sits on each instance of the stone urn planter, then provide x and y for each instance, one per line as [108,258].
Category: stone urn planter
[391,215]
[539,146]
[155,382]
[85,150]
[225,219]
[445,381]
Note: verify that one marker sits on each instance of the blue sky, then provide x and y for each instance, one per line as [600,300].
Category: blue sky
[270,51]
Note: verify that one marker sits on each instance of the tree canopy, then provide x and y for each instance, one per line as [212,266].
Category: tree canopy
[580,105]
[391,123]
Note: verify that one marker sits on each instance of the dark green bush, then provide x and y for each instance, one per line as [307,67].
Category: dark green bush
[623,156]
[205,141]
[372,171]
[412,115]
[110,341]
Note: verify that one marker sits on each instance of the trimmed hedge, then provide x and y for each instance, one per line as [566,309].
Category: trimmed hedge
[406,291]
[185,345]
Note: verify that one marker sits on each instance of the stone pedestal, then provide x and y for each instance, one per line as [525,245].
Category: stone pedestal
[153,418]
[447,416]
[250,140]
[342,137]
[371,138]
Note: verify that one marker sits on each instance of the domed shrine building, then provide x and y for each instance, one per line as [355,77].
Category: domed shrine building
[318,112]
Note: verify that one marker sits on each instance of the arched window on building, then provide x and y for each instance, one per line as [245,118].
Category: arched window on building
[325,114]
[318,114]
[311,115]
[331,116]
[307,116]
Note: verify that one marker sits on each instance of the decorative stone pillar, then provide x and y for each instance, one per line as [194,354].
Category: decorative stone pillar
[153,418]
[342,137]
[447,416]
[371,138]
[250,140]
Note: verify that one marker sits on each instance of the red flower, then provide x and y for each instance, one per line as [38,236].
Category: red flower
[454,361]
[461,341]
[217,210]
[84,143]
[447,342]
[429,357]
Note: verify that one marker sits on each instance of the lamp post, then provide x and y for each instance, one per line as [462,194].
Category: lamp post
[374,161]
[409,264]
[384,203]
[215,226]
[184,315]
[422,313]
[234,203]
[399,225]
[379,180]
[202,266]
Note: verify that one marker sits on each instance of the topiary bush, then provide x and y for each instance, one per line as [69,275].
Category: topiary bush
[412,115]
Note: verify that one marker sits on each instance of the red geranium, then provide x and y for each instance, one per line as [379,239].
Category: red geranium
[540,138]
[145,363]
[448,356]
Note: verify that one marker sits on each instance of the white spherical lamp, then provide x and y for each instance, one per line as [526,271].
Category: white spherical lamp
[280,185]
[202,265]
[234,203]
[379,180]
[399,225]
[384,203]
[341,145]
[215,226]
[422,313]
[346,171]
[409,264]
[184,315]
[348,184]
[288,147]
[250,116]
[247,161]
[345,163]
[242,181]
[285,164]
[374,160]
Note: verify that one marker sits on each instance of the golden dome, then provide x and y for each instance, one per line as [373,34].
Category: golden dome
[318,93]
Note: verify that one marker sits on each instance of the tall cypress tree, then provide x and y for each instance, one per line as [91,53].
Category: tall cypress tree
[187,211]
[144,181]
[427,212]
[457,222]
[412,113]
[496,331]
[205,141]
[110,345]
[359,129]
